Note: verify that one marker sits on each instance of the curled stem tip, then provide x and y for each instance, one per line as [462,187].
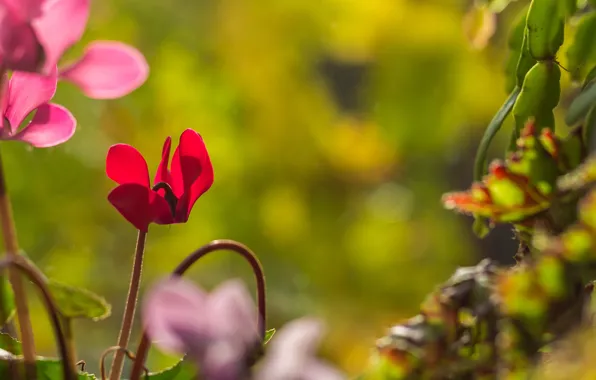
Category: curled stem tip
[216,245]
[124,351]
[38,279]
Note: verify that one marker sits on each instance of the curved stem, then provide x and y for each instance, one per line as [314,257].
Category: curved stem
[38,279]
[216,245]
[129,309]
[12,250]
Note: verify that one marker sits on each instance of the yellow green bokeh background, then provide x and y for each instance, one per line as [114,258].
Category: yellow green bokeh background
[340,202]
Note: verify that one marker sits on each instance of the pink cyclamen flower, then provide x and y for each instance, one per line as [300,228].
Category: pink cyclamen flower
[291,354]
[175,191]
[25,93]
[218,330]
[107,69]
[19,47]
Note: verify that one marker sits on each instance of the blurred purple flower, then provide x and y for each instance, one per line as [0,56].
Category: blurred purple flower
[218,330]
[291,354]
[40,31]
[25,93]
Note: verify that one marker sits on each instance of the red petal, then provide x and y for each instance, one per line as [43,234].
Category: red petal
[192,169]
[133,202]
[125,164]
[140,205]
[163,174]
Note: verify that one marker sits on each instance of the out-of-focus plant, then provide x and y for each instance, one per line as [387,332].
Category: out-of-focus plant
[484,322]
[487,321]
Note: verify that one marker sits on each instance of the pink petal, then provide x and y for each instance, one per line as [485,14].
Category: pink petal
[26,92]
[108,70]
[233,314]
[191,170]
[25,9]
[51,125]
[171,307]
[124,164]
[60,25]
[163,174]
[19,48]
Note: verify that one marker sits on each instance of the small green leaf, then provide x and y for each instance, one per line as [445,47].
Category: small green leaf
[589,78]
[539,96]
[183,370]
[519,60]
[589,129]
[544,27]
[268,335]
[7,305]
[581,105]
[75,302]
[11,344]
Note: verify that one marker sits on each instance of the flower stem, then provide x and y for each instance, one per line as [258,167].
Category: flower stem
[216,245]
[69,337]
[129,309]
[19,264]
[12,249]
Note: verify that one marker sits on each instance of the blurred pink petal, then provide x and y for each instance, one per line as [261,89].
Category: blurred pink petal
[26,92]
[172,307]
[235,311]
[19,48]
[60,25]
[291,354]
[26,9]
[125,164]
[217,330]
[51,125]
[108,70]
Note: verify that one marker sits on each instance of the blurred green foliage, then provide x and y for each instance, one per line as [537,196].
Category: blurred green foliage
[334,127]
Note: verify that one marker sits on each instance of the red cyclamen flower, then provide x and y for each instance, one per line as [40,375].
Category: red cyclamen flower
[175,191]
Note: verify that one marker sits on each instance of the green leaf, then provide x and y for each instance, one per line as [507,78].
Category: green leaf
[75,302]
[7,305]
[10,344]
[544,27]
[589,78]
[268,335]
[581,105]
[47,369]
[519,60]
[567,8]
[589,128]
[539,96]
[183,370]
[497,6]
[490,133]
[582,51]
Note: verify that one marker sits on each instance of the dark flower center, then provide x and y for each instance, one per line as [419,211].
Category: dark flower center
[168,196]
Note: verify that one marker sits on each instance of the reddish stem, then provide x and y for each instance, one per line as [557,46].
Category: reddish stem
[216,245]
